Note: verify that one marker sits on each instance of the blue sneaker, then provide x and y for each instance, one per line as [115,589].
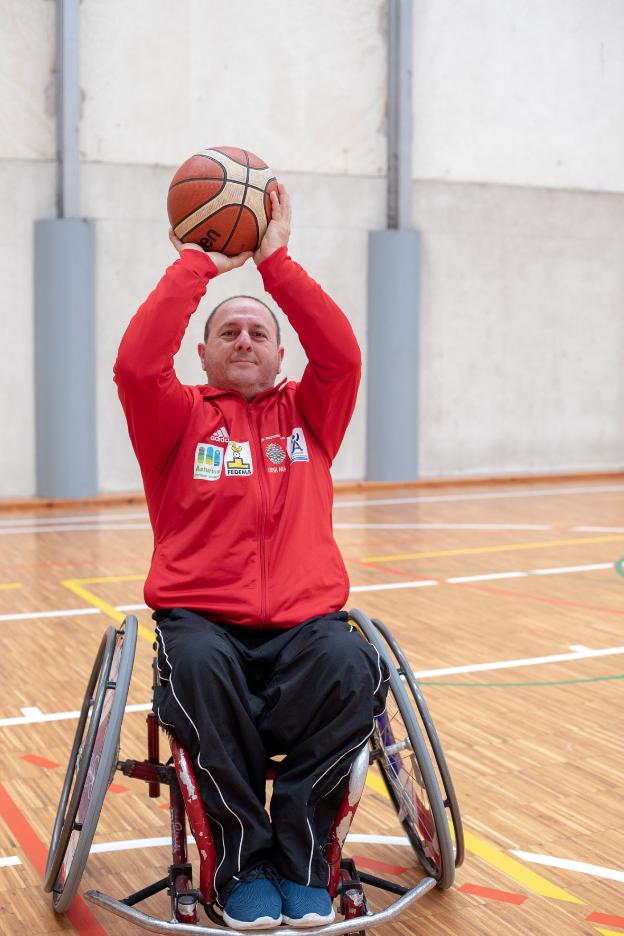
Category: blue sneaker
[254,903]
[305,906]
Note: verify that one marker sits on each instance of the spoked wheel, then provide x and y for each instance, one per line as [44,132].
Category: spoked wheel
[431,736]
[92,763]
[398,746]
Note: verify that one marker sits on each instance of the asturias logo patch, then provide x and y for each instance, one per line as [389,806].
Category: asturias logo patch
[208,462]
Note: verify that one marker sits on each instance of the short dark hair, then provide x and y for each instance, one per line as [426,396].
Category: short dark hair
[255,299]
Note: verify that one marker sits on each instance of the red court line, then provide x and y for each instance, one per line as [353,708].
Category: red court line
[39,761]
[523,596]
[378,865]
[117,788]
[79,915]
[605,918]
[492,894]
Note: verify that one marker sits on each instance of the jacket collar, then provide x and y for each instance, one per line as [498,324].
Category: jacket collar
[210,393]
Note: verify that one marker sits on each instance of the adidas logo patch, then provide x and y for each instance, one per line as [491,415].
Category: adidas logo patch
[221,435]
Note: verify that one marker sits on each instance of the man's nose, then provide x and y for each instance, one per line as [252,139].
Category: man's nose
[243,342]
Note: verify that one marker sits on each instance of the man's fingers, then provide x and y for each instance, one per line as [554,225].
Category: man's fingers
[284,200]
[239,259]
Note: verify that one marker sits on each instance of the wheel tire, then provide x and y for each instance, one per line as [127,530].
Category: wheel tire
[92,763]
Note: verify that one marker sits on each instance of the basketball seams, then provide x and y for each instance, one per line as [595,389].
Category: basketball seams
[225,199]
[242,205]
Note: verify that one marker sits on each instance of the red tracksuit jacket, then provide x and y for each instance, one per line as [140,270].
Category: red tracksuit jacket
[239,494]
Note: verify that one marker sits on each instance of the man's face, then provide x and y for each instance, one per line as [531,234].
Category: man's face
[241,351]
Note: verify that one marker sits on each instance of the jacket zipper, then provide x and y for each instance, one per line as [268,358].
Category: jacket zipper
[264,573]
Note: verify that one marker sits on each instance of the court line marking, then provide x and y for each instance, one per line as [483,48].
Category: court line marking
[35,716]
[6,586]
[511,547]
[10,861]
[389,586]
[73,528]
[482,495]
[443,526]
[79,915]
[72,518]
[582,867]
[497,859]
[76,586]
[608,932]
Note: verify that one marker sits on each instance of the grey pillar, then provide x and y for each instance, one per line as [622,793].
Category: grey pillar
[393,355]
[64,336]
[394,283]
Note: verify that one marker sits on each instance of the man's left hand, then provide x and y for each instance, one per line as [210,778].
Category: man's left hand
[278,231]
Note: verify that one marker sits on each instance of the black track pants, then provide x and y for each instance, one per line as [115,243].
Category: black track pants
[234,695]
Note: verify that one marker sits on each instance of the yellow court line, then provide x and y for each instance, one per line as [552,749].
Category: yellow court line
[493,549]
[605,932]
[7,585]
[495,858]
[75,586]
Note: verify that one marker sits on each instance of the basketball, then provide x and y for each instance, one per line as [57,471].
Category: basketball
[220,199]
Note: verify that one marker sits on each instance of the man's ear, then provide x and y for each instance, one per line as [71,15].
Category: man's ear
[201,350]
[280,358]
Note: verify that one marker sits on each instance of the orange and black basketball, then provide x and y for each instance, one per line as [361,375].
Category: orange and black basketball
[219,199]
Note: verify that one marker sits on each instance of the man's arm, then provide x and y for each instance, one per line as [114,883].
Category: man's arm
[327,391]
[156,404]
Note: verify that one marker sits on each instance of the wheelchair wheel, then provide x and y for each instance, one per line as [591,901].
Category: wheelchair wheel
[439,760]
[92,763]
[398,746]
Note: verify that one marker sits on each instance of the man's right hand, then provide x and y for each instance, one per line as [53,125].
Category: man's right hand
[223,264]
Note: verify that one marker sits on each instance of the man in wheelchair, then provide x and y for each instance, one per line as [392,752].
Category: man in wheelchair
[255,656]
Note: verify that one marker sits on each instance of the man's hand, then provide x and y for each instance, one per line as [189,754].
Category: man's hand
[223,264]
[278,231]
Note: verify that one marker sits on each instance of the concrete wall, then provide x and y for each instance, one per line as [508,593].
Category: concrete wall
[519,175]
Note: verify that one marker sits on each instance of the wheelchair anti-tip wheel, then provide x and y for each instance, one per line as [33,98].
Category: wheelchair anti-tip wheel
[92,762]
[400,750]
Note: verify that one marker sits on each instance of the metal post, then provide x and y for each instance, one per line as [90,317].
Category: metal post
[399,114]
[67,109]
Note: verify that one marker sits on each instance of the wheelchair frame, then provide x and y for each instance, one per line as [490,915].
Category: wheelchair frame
[421,793]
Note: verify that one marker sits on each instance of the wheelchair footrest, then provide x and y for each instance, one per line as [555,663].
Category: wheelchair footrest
[340,928]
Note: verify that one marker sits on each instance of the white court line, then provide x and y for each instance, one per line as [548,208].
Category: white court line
[580,654]
[564,570]
[598,529]
[388,586]
[73,528]
[34,716]
[72,518]
[525,661]
[484,495]
[8,862]
[67,612]
[611,874]
[391,586]
[442,526]
[129,844]
[582,867]
[486,578]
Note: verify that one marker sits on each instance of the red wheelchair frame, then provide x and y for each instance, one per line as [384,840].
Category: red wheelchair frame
[422,795]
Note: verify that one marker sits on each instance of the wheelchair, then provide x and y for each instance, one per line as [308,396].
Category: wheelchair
[404,745]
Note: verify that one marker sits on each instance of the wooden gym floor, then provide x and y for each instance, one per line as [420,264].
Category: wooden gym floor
[509,602]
